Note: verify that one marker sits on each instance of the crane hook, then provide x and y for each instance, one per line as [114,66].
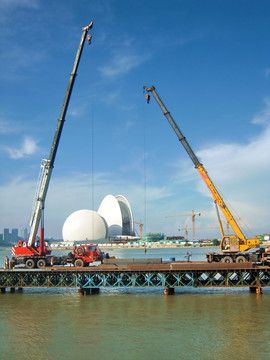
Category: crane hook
[89,38]
[147,96]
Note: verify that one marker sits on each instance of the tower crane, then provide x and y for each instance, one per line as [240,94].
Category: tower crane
[140,227]
[193,214]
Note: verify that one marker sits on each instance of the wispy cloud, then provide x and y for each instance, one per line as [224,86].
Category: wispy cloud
[263,117]
[28,147]
[10,4]
[7,128]
[122,63]
[17,58]
[110,97]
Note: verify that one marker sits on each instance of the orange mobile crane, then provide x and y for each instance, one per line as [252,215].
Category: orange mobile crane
[233,247]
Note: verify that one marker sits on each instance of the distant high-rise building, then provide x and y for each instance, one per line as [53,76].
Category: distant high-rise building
[14,235]
[6,235]
[24,234]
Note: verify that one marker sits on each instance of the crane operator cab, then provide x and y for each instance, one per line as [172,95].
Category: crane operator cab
[229,244]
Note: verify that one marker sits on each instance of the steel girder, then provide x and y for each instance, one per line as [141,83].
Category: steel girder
[126,279]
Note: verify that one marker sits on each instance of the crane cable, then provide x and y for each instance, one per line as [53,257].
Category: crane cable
[144,171]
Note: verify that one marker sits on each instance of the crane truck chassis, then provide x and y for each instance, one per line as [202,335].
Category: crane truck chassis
[234,248]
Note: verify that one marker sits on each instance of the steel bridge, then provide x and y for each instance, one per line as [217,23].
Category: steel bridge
[169,275]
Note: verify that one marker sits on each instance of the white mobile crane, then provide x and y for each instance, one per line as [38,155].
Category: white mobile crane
[233,247]
[35,253]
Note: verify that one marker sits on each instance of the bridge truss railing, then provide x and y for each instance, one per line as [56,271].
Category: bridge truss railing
[126,279]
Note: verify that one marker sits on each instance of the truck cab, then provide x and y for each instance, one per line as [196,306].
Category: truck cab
[84,254]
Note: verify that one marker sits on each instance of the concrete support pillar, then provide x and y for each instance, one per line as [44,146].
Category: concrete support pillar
[94,291]
[81,291]
[3,290]
[259,290]
[256,289]
[88,291]
[168,290]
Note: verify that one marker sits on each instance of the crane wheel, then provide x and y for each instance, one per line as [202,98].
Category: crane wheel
[227,259]
[41,263]
[240,259]
[78,263]
[80,250]
[30,264]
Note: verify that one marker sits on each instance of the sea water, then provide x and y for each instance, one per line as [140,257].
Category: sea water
[135,324]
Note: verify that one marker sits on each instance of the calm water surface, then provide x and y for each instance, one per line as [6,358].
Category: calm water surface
[135,324]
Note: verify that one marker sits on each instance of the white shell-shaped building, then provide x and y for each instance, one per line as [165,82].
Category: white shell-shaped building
[127,218]
[110,210]
[113,218]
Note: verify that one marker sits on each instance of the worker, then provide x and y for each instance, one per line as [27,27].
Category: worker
[227,244]
[188,256]
[6,263]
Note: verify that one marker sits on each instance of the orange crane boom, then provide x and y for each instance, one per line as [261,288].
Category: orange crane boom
[230,243]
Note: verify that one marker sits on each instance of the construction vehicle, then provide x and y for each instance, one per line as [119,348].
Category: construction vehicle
[84,255]
[35,253]
[234,248]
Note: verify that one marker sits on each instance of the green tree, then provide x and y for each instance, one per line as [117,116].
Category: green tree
[216,242]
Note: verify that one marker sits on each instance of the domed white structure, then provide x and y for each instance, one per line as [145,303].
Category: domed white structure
[84,226]
[113,218]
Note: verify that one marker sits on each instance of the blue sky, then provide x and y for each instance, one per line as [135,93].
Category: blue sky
[210,63]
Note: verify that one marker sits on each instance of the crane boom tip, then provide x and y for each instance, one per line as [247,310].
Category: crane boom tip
[86,28]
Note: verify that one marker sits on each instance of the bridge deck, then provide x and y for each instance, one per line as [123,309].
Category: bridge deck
[166,274]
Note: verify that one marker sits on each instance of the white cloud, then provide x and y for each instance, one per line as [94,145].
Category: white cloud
[122,63]
[263,117]
[28,147]
[11,4]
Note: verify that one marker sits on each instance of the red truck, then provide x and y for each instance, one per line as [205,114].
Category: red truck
[82,255]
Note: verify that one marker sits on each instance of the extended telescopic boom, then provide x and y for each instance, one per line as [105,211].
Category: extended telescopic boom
[47,164]
[242,243]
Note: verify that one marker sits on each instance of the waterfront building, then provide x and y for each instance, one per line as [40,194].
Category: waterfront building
[6,235]
[14,235]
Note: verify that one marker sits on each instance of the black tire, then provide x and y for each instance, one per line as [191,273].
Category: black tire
[241,259]
[80,250]
[227,259]
[78,263]
[41,263]
[30,263]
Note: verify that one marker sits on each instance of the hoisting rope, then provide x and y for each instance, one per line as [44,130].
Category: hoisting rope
[144,167]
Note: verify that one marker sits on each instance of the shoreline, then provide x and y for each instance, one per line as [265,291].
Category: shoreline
[128,247]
